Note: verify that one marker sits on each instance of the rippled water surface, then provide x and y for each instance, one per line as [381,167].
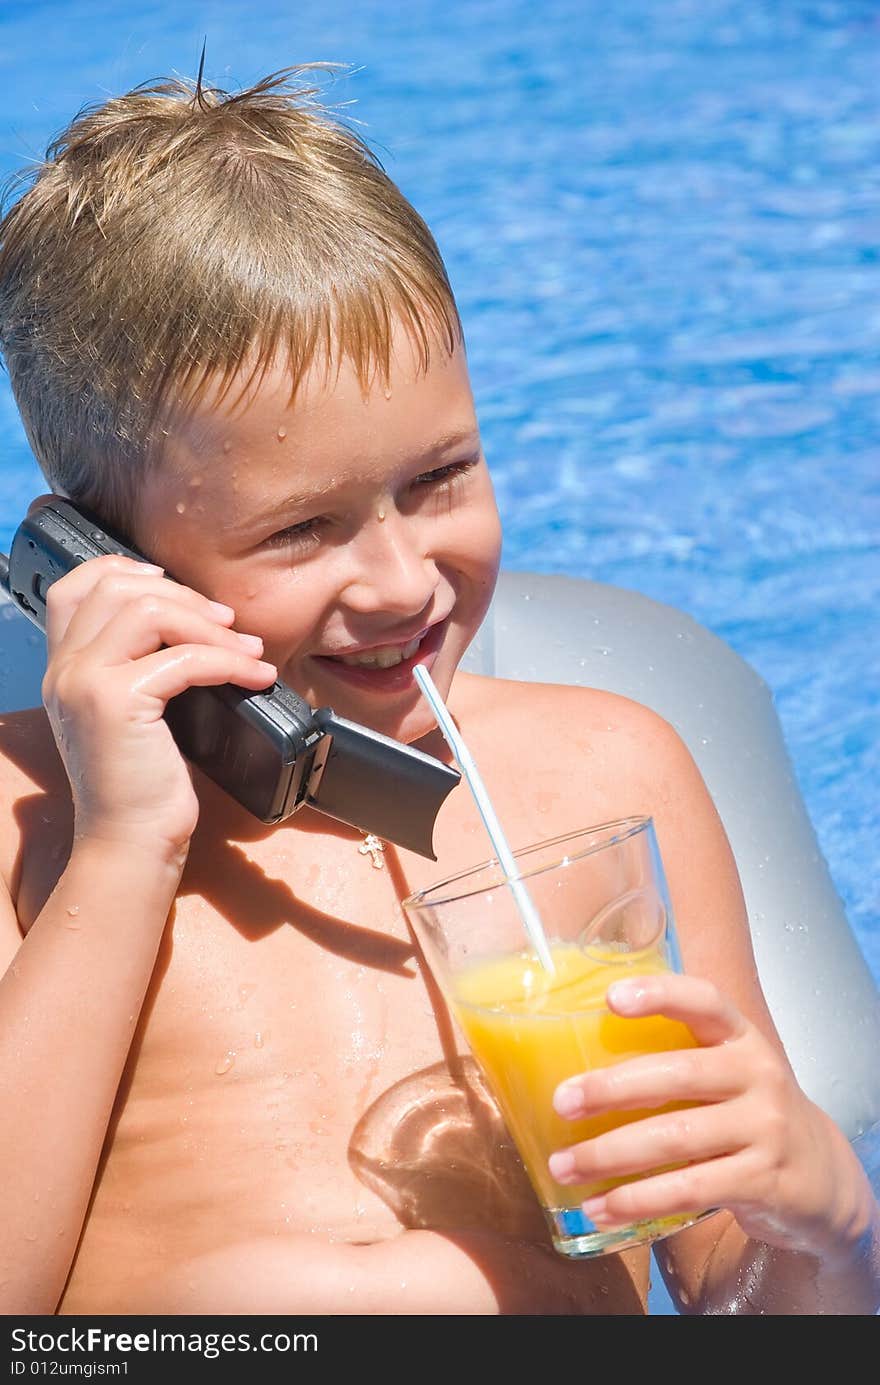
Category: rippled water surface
[662,223]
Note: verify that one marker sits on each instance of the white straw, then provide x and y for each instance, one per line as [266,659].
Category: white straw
[530,918]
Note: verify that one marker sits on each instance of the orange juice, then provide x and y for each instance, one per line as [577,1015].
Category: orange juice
[529,1029]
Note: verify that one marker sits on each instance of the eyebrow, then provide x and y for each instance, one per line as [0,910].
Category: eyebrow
[304,498]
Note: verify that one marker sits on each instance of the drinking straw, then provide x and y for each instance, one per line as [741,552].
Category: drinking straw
[533,925]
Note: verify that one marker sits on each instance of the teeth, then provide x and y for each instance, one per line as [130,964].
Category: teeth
[385,657]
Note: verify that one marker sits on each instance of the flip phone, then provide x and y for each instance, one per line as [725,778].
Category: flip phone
[269,750]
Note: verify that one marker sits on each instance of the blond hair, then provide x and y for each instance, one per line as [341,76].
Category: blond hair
[179,234]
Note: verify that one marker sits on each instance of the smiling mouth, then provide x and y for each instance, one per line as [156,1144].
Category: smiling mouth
[388,667]
[386,656]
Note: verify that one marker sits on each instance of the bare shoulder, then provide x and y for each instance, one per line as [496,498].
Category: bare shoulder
[31,773]
[586,755]
[592,757]
[579,717]
[633,758]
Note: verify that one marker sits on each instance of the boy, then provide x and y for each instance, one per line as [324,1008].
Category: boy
[229,1084]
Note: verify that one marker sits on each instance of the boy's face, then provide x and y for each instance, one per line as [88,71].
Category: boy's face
[357,534]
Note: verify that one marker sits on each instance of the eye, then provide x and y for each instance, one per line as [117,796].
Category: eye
[302,535]
[445,477]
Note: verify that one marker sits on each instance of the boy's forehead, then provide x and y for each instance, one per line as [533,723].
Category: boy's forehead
[331,410]
[229,459]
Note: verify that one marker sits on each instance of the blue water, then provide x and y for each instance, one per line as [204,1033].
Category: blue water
[662,223]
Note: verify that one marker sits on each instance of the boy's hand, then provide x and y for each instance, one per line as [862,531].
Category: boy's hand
[753,1144]
[107,681]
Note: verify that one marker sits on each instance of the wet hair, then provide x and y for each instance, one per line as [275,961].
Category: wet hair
[180,234]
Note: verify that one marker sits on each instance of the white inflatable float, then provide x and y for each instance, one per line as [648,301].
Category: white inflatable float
[559,629]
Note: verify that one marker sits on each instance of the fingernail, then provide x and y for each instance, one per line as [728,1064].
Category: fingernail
[625,995]
[220,609]
[251,641]
[150,567]
[269,669]
[595,1208]
[568,1100]
[561,1165]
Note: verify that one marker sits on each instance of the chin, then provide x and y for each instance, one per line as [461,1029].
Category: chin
[403,715]
[407,726]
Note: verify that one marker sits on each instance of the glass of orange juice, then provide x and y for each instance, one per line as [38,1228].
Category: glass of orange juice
[602,898]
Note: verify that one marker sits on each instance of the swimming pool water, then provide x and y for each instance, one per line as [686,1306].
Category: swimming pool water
[662,223]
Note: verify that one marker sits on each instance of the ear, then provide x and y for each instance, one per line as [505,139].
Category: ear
[41,500]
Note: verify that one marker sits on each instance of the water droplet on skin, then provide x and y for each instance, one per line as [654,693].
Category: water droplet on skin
[258,1041]
[281,434]
[196,480]
[180,507]
[245,992]
[387,394]
[225,1063]
[73,909]
[227,446]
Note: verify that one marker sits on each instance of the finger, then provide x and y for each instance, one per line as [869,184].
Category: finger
[693,1075]
[685,1135]
[171,671]
[67,593]
[710,1016]
[152,619]
[116,592]
[685,1191]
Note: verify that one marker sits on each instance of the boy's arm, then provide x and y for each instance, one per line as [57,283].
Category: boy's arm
[805,1232]
[810,1187]
[70,997]
[122,640]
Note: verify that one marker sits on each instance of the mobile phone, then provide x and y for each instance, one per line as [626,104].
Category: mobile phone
[270,750]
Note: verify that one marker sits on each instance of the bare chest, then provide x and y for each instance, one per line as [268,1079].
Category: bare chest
[302,990]
[296,1031]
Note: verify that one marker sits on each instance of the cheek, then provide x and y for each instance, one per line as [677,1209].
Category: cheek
[285,608]
[477,541]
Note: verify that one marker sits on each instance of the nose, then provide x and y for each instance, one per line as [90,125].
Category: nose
[393,572]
